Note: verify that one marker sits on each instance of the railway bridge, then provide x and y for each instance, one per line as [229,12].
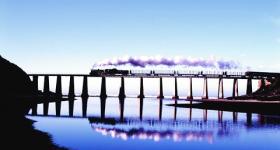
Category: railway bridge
[249,76]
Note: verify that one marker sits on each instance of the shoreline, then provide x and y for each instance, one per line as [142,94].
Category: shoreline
[246,106]
[20,133]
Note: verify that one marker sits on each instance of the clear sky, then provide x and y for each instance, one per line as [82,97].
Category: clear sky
[71,35]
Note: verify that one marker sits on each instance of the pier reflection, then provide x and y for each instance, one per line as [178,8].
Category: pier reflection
[121,104]
[167,123]
[175,109]
[160,109]
[58,107]
[141,101]
[102,107]
[84,106]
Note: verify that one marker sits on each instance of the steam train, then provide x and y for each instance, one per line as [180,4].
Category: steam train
[103,72]
[114,71]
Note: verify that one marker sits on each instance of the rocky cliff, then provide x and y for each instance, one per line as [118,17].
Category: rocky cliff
[17,96]
[265,92]
[16,89]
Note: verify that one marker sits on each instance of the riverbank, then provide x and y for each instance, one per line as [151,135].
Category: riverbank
[19,133]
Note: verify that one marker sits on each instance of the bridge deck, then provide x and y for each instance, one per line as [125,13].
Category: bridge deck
[158,76]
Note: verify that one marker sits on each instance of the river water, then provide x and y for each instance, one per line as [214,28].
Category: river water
[148,123]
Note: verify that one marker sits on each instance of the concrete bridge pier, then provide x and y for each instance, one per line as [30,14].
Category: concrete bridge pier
[205,89]
[235,88]
[160,89]
[176,90]
[85,87]
[103,88]
[46,86]
[122,89]
[46,95]
[58,91]
[35,83]
[58,88]
[141,95]
[191,90]
[221,89]
[249,86]
[71,93]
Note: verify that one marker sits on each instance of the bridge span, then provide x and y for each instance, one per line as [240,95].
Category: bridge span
[141,75]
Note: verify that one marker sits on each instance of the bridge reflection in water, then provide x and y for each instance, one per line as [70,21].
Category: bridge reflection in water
[153,119]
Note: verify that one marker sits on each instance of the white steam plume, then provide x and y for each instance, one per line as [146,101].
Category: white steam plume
[145,61]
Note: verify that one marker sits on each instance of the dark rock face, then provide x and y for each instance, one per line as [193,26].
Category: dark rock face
[14,81]
[265,92]
[17,97]
[15,88]
[269,92]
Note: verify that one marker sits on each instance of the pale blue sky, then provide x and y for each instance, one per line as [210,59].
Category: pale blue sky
[71,35]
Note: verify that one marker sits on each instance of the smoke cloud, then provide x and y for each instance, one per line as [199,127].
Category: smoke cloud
[169,62]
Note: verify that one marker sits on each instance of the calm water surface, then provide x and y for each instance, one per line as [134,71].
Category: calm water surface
[134,123]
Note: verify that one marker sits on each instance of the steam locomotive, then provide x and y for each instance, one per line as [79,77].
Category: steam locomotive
[103,72]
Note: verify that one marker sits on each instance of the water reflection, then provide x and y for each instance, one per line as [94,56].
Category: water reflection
[175,110]
[71,106]
[102,107]
[234,116]
[58,107]
[84,106]
[155,135]
[184,124]
[141,101]
[160,109]
[121,101]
